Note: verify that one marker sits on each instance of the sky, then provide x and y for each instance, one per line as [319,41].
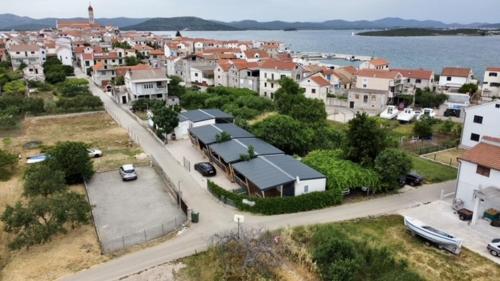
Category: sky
[460,11]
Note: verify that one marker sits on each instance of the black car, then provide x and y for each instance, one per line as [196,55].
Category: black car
[412,179]
[452,112]
[205,169]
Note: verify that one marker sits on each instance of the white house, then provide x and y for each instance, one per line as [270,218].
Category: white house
[491,83]
[478,185]
[271,72]
[103,74]
[29,54]
[452,78]
[316,87]
[34,73]
[63,50]
[413,79]
[197,118]
[202,75]
[375,64]
[481,120]
[146,84]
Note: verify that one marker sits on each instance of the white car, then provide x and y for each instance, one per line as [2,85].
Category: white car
[94,153]
[127,172]
[494,247]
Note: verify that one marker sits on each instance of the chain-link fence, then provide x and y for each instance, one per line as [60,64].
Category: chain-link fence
[142,236]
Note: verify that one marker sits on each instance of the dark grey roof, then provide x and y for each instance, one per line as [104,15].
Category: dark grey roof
[207,134]
[231,150]
[274,170]
[199,115]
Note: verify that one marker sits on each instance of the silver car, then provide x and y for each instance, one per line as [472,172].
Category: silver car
[128,173]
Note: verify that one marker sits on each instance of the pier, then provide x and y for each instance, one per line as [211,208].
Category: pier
[312,56]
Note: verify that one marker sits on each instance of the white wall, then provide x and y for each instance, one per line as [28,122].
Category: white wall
[491,84]
[181,131]
[489,127]
[469,180]
[314,185]
[65,55]
[456,82]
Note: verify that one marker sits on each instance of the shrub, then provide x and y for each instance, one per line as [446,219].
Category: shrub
[74,87]
[275,206]
[16,87]
[423,128]
[392,164]
[8,162]
[144,104]
[342,174]
[79,104]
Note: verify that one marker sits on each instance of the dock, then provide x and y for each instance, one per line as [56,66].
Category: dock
[314,56]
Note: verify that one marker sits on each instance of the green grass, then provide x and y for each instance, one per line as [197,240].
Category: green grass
[337,125]
[433,172]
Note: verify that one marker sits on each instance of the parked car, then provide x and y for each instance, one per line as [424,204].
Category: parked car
[205,169]
[412,179]
[452,112]
[494,247]
[36,159]
[128,173]
[94,153]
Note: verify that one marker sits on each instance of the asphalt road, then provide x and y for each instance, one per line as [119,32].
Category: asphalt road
[216,217]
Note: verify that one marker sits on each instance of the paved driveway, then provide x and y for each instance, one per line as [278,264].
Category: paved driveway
[439,214]
[128,213]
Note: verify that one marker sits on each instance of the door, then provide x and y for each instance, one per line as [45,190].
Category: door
[351,104]
[124,99]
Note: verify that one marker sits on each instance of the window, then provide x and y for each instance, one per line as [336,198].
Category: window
[306,189]
[159,84]
[159,96]
[493,74]
[282,76]
[313,91]
[272,76]
[272,85]
[356,96]
[196,74]
[365,99]
[448,78]
[478,119]
[265,74]
[374,97]
[418,81]
[474,137]
[365,86]
[483,171]
[265,84]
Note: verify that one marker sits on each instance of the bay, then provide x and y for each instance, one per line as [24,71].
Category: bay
[429,52]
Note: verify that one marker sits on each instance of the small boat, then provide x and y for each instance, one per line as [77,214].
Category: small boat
[442,239]
[290,29]
[36,159]
[406,115]
[429,112]
[390,112]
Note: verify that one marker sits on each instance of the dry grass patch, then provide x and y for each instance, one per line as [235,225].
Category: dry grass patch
[447,157]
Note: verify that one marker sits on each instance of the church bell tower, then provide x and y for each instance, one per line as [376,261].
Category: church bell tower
[91,14]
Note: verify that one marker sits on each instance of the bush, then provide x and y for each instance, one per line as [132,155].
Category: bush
[423,128]
[79,104]
[8,162]
[429,99]
[16,87]
[342,174]
[42,180]
[392,164]
[144,104]
[74,87]
[275,206]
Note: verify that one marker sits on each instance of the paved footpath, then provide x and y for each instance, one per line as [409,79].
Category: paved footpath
[216,217]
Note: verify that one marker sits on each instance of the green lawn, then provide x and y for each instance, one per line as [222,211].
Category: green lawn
[433,172]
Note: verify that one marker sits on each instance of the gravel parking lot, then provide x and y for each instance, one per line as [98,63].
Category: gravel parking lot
[129,213]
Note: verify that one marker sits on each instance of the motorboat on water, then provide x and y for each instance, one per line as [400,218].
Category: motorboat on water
[442,239]
[390,112]
[429,112]
[407,115]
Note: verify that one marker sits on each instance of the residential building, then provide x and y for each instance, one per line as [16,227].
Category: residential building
[199,117]
[375,64]
[29,54]
[221,73]
[491,83]
[413,79]
[478,184]
[316,87]
[34,73]
[202,75]
[146,84]
[374,89]
[103,74]
[272,71]
[244,74]
[481,120]
[452,78]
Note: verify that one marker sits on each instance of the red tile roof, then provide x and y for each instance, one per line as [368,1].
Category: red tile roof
[322,82]
[483,154]
[24,48]
[496,69]
[379,62]
[383,74]
[456,72]
[415,73]
[278,64]
[122,70]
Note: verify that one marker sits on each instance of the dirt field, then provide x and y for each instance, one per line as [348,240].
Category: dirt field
[78,249]
[447,157]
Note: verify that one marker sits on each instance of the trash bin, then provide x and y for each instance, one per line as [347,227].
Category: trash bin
[195,217]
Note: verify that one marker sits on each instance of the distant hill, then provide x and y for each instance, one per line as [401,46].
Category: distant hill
[179,23]
[406,32]
[10,21]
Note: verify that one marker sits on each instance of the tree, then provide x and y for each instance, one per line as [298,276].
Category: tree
[8,162]
[54,77]
[131,61]
[165,120]
[42,180]
[426,98]
[285,133]
[469,88]
[41,218]
[423,127]
[16,87]
[73,159]
[119,81]
[288,95]
[175,88]
[308,110]
[74,87]
[365,139]
[392,164]
[124,45]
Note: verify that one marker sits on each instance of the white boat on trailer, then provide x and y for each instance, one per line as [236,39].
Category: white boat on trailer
[390,112]
[407,115]
[442,239]
[429,112]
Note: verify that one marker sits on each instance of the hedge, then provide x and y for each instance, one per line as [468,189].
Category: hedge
[277,205]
